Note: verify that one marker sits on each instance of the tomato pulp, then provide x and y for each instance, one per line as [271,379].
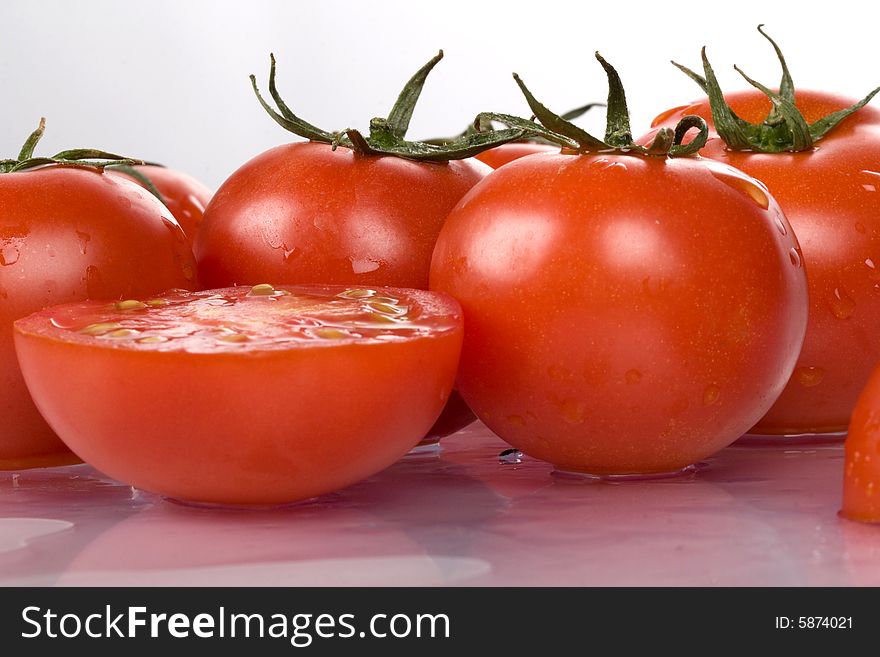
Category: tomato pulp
[831,196]
[244,396]
[71,233]
[623,314]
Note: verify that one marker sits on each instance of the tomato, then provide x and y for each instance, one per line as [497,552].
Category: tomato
[624,314]
[831,196]
[303,213]
[71,233]
[290,392]
[501,155]
[182,194]
[861,481]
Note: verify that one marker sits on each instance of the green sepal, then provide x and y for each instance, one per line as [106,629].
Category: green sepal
[78,157]
[387,136]
[618,134]
[784,130]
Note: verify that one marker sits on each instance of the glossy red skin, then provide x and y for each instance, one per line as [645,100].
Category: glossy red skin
[68,234]
[610,327]
[861,481]
[302,213]
[501,155]
[185,196]
[258,426]
[834,208]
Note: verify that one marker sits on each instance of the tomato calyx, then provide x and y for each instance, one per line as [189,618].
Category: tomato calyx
[557,129]
[785,129]
[535,138]
[79,157]
[387,135]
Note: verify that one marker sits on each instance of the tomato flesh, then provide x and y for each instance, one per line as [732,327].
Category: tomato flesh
[66,234]
[623,314]
[831,196]
[244,396]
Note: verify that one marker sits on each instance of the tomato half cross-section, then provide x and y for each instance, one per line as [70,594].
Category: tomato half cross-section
[625,311]
[244,396]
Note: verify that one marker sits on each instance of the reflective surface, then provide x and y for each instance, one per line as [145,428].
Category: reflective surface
[754,515]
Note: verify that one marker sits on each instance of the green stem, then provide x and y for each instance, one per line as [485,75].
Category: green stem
[78,157]
[387,136]
[784,130]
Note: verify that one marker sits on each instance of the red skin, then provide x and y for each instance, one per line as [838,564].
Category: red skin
[302,213]
[185,196]
[610,327]
[270,420]
[861,482]
[835,212]
[501,155]
[68,234]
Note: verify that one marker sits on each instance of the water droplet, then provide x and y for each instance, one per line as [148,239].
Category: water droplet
[711,394]
[809,376]
[84,239]
[288,253]
[633,376]
[363,265]
[511,456]
[518,420]
[175,229]
[794,256]
[870,263]
[9,253]
[742,184]
[860,227]
[869,188]
[842,306]
[780,224]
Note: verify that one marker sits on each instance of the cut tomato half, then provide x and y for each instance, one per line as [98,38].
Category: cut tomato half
[244,396]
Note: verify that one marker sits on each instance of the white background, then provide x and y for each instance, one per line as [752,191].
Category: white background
[167,79]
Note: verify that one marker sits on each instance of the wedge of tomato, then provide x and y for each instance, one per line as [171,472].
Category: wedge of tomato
[861,479]
[244,396]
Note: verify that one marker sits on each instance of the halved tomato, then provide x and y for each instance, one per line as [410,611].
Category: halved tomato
[244,395]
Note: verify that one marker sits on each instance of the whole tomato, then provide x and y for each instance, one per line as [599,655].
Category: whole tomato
[304,213]
[625,313]
[340,208]
[830,192]
[291,392]
[182,194]
[69,233]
